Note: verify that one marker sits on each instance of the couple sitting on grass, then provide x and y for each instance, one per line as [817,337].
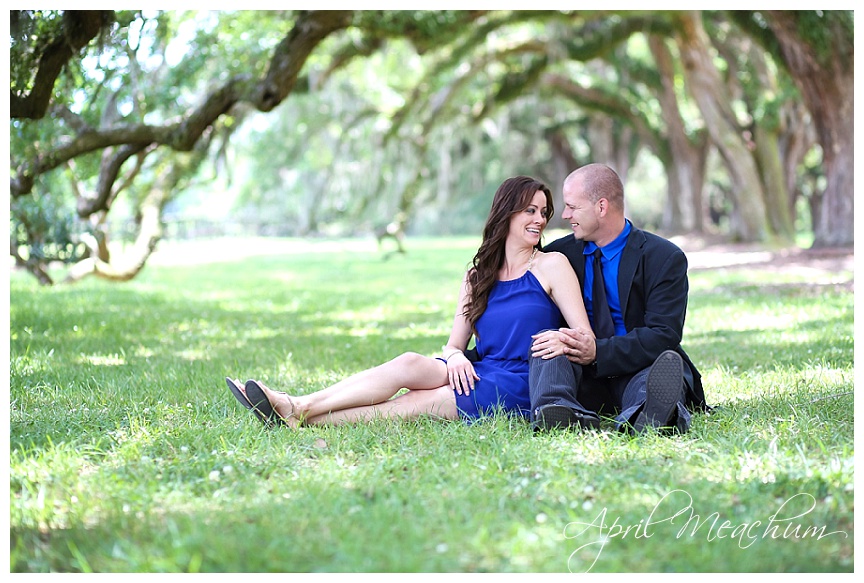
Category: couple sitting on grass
[546,348]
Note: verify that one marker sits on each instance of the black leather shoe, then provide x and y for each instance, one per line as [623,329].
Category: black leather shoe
[664,389]
[561,417]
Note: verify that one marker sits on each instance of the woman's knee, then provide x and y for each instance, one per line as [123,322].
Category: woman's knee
[410,359]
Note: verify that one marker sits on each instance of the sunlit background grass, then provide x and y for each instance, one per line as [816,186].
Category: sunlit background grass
[128,454]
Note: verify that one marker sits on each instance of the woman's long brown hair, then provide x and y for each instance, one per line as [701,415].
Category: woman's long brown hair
[513,196]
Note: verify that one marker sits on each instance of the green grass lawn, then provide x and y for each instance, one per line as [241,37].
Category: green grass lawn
[128,453]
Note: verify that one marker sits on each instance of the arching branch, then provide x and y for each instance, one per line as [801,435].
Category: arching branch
[290,55]
[78,29]
[288,59]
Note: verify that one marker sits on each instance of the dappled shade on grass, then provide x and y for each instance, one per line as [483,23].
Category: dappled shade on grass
[128,454]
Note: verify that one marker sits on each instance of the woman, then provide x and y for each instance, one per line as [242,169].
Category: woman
[513,290]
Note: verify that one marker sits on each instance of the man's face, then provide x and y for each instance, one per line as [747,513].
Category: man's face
[582,214]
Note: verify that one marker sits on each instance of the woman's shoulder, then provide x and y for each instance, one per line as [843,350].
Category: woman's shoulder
[548,267]
[551,260]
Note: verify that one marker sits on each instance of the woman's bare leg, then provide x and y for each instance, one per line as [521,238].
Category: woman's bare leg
[367,388]
[440,402]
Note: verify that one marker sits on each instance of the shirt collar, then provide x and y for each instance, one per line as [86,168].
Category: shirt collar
[612,249]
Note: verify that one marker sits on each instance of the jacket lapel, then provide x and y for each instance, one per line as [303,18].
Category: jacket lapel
[579,260]
[630,258]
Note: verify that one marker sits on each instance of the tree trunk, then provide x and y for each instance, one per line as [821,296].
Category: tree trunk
[766,135]
[685,168]
[767,153]
[623,152]
[564,162]
[710,94]
[606,147]
[796,138]
[827,85]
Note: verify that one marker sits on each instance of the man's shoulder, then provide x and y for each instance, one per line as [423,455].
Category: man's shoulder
[561,244]
[656,242]
[659,253]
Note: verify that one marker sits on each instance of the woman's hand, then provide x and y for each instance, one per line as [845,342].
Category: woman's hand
[549,344]
[577,344]
[461,374]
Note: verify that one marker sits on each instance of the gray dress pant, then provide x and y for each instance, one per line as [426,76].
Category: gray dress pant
[557,381]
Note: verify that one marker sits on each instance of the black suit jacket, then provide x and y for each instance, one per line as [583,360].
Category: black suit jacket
[653,287]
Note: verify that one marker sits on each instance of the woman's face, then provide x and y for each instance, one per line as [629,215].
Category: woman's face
[528,224]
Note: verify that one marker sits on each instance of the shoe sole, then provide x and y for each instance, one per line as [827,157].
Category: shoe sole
[663,390]
[561,417]
[238,394]
[261,406]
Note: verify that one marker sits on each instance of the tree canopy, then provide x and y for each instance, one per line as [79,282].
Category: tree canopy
[375,113]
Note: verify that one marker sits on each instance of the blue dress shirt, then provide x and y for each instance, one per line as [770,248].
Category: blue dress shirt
[609,264]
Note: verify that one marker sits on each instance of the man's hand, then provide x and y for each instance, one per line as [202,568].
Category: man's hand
[577,344]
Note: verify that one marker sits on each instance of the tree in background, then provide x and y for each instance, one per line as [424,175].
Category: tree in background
[416,113]
[818,50]
[130,119]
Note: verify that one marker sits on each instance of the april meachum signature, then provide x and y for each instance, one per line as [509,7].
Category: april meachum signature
[778,525]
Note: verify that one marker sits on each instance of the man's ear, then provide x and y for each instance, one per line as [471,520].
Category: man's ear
[603,204]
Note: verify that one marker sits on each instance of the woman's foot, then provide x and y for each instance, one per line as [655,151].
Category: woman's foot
[283,405]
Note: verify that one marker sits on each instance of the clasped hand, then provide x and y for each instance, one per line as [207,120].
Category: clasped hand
[577,344]
[461,374]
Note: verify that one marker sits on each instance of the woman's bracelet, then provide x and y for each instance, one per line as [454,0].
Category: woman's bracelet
[449,356]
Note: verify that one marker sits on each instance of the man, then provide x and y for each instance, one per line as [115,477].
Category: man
[632,364]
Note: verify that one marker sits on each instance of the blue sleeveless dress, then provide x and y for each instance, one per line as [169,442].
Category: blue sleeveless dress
[516,309]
